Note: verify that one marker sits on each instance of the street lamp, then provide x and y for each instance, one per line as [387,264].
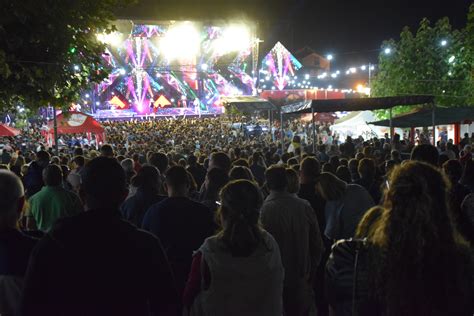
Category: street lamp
[387,50]
[444,42]
[329,57]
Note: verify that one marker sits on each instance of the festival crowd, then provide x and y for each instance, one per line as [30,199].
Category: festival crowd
[205,217]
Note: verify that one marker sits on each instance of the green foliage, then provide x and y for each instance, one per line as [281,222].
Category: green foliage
[419,64]
[40,43]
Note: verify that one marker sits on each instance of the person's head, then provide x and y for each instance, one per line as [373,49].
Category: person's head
[359,156]
[293,180]
[136,157]
[453,170]
[425,153]
[353,165]
[103,184]
[276,179]
[220,160]
[12,199]
[466,135]
[389,165]
[127,165]
[241,162]
[344,174]
[330,187]
[192,160]
[468,173]
[177,181]
[467,149]
[216,178]
[256,157]
[241,173]
[327,167]
[43,158]
[334,161]
[147,179]
[366,168]
[20,161]
[239,212]
[107,151]
[55,160]
[310,169]
[79,161]
[416,235]
[52,175]
[159,160]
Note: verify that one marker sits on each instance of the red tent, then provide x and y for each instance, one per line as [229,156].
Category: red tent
[76,123]
[8,131]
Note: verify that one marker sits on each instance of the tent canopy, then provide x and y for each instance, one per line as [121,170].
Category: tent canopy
[8,131]
[424,117]
[248,103]
[355,104]
[76,123]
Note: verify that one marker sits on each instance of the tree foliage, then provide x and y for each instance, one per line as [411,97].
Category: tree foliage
[49,50]
[420,64]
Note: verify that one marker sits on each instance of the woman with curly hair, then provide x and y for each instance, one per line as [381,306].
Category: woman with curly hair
[412,262]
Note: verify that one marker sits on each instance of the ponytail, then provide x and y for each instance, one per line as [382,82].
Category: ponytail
[241,202]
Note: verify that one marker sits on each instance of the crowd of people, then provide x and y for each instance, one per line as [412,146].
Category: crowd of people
[197,217]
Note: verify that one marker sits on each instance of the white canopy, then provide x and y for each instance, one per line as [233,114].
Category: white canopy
[355,124]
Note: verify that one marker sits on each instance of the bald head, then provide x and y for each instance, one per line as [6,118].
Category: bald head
[11,196]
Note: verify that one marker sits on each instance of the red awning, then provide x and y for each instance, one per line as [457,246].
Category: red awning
[8,131]
[76,123]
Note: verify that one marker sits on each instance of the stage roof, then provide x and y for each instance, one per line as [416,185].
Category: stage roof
[423,117]
[248,103]
[356,104]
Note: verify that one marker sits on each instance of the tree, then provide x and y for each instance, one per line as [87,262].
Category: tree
[436,60]
[49,50]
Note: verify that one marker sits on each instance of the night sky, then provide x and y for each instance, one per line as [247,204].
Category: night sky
[351,30]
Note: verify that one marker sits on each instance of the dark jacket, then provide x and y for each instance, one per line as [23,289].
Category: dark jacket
[33,180]
[96,263]
[15,249]
[135,207]
[198,172]
[308,192]
[182,225]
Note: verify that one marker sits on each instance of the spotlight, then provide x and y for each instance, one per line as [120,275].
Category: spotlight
[306,76]
[204,67]
[182,41]
[122,71]
[234,38]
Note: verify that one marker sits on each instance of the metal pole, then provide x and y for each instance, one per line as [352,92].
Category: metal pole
[370,77]
[55,122]
[313,128]
[282,137]
[390,115]
[433,123]
[270,114]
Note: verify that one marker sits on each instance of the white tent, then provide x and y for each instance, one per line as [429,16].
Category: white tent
[355,124]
